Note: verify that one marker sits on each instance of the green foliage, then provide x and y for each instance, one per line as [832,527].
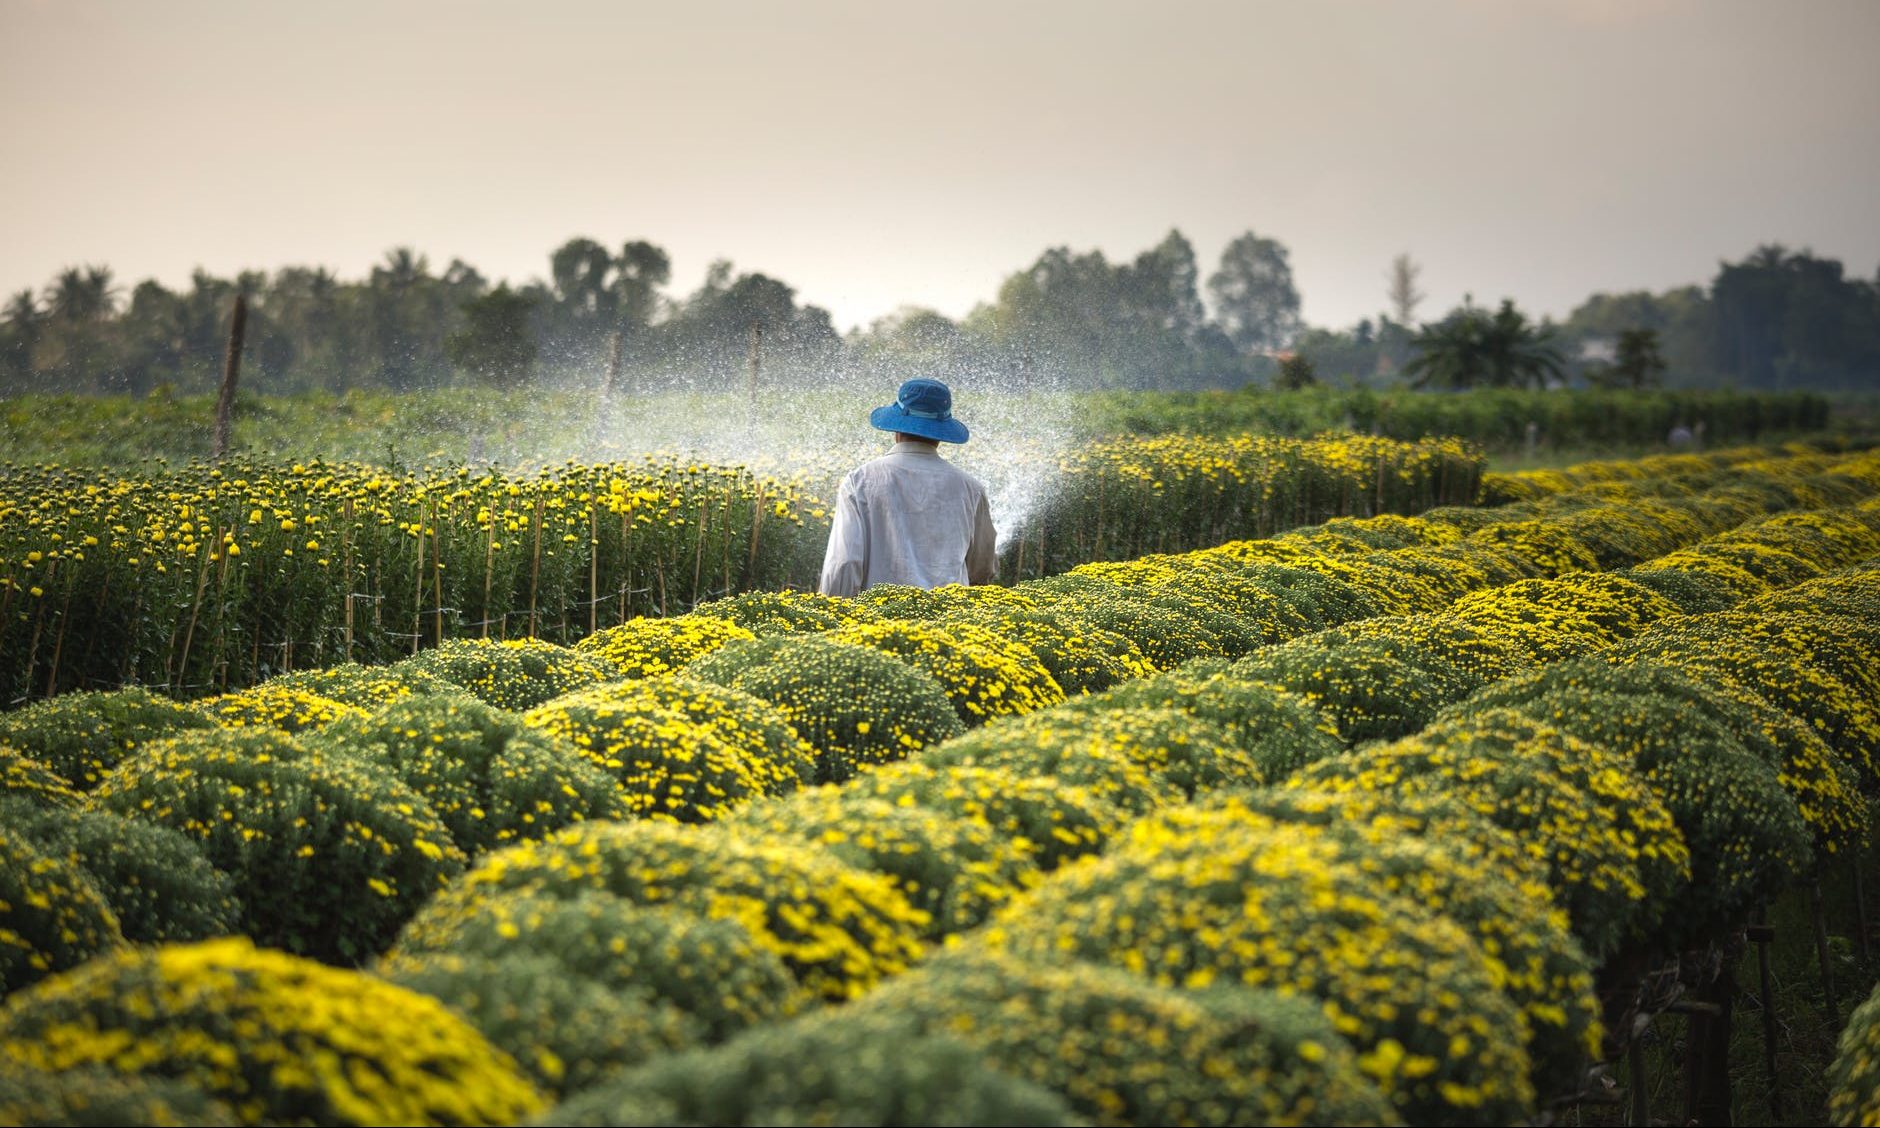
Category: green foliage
[495,346]
[518,674]
[1048,819]
[84,735]
[1474,348]
[55,917]
[645,648]
[956,870]
[329,856]
[157,882]
[489,777]
[363,687]
[277,1038]
[767,613]
[567,1034]
[1110,750]
[839,930]
[101,1098]
[1854,1078]
[22,777]
[831,1068]
[984,676]
[1121,1050]
[713,971]
[856,706]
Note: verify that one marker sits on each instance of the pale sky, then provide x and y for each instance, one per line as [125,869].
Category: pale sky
[875,154]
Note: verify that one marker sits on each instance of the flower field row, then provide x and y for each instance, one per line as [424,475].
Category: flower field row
[207,578]
[1266,937]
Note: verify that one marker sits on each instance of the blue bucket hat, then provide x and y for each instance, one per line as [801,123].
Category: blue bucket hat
[922,407]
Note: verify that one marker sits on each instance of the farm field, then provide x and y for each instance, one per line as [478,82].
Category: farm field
[1420,812]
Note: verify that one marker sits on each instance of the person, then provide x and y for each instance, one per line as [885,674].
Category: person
[910,517]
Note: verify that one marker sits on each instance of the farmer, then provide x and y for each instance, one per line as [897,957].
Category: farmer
[910,517]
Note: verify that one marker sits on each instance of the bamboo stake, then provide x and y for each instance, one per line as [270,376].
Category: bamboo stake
[195,609]
[345,538]
[626,560]
[489,565]
[594,565]
[535,568]
[1761,935]
[417,593]
[1818,912]
[231,372]
[58,642]
[437,577]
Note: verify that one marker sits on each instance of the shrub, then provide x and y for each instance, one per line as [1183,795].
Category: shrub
[1615,857]
[276,1038]
[1693,593]
[1168,633]
[948,602]
[363,687]
[956,870]
[1322,600]
[55,917]
[1747,837]
[1279,729]
[1050,821]
[567,1034]
[1235,905]
[649,648]
[1369,686]
[101,1098]
[1854,1077]
[667,765]
[832,1068]
[329,856]
[982,675]
[854,705]
[757,729]
[158,884]
[1087,746]
[517,674]
[769,613]
[837,929]
[22,777]
[1508,910]
[1080,657]
[84,735]
[711,970]
[276,706]
[488,777]
[1121,1050]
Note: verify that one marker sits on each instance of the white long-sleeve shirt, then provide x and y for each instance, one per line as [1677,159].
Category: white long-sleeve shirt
[909,517]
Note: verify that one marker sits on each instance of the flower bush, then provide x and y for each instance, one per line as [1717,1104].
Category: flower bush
[667,765]
[490,778]
[1508,910]
[751,727]
[1167,633]
[1121,1050]
[1046,819]
[88,1097]
[983,675]
[768,613]
[276,706]
[22,777]
[1615,856]
[1370,686]
[1235,905]
[566,1034]
[713,971]
[956,870]
[84,735]
[832,1068]
[1854,1077]
[1177,752]
[55,917]
[158,884]
[1746,833]
[839,930]
[856,706]
[329,856]
[648,648]
[1080,657]
[363,687]
[276,1038]
[517,674]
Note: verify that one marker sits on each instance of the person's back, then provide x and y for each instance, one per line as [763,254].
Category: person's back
[910,517]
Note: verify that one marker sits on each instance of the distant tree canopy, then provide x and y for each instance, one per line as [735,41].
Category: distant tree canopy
[1776,320]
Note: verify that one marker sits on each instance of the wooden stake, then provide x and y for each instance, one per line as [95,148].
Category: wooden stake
[535,568]
[594,563]
[1761,935]
[437,577]
[231,372]
[417,595]
[489,565]
[345,538]
[1639,1106]
[1820,916]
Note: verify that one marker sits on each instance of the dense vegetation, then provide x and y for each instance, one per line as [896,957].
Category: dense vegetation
[1607,722]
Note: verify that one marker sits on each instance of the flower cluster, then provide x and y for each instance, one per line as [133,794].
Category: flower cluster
[517,674]
[276,1038]
[55,917]
[647,648]
[84,735]
[276,706]
[983,675]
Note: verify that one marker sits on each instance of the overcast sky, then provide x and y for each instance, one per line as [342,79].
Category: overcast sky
[875,154]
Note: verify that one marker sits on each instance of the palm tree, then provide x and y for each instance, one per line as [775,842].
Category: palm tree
[1472,347]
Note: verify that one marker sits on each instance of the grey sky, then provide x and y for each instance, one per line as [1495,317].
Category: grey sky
[875,154]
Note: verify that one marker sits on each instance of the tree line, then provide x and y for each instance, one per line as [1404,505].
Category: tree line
[1778,319]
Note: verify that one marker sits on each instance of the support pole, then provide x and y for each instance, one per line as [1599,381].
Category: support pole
[231,372]
[1819,914]
[1762,935]
[1638,1105]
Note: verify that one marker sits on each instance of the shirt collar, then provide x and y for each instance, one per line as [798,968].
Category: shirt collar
[920,450]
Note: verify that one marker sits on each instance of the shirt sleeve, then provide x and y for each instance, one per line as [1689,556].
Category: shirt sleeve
[845,563]
[982,556]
